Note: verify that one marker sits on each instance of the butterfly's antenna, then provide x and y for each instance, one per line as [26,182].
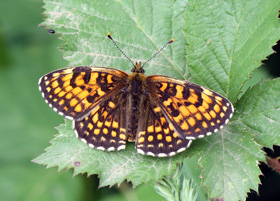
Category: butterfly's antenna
[109,36]
[171,41]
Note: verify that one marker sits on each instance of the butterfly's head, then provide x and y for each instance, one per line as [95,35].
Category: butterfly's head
[137,68]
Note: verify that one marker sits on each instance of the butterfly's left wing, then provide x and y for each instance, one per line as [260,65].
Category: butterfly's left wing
[74,92]
[105,127]
[193,110]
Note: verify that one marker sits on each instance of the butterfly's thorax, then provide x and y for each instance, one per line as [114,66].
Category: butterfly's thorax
[137,94]
[137,83]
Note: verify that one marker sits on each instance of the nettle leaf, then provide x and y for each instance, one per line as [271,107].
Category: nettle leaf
[230,162]
[224,42]
[67,151]
[140,28]
[230,157]
[258,111]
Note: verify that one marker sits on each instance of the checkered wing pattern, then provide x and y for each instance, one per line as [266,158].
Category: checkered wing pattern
[193,110]
[74,92]
[104,127]
[162,114]
[156,135]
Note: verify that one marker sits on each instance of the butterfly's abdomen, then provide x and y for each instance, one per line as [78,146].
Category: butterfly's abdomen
[137,92]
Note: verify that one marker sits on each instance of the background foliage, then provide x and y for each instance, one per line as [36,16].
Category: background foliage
[26,122]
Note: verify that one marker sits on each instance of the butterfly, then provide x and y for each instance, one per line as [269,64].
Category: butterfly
[109,107]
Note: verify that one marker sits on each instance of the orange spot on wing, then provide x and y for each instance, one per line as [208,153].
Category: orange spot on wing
[55,84]
[141,140]
[57,90]
[76,90]
[207,116]
[213,114]
[90,126]
[180,90]
[205,105]
[198,116]
[184,111]
[192,109]
[67,77]
[93,78]
[61,102]
[191,121]
[184,126]
[114,133]
[206,98]
[105,131]
[168,138]
[150,138]
[202,109]
[204,124]
[96,131]
[159,136]
[217,108]
[73,102]
[78,108]
[150,129]
[123,136]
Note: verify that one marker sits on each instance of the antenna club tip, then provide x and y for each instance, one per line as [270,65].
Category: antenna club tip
[109,35]
[172,40]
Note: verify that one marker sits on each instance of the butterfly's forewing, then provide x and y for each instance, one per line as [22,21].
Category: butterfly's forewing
[155,135]
[74,92]
[105,127]
[193,110]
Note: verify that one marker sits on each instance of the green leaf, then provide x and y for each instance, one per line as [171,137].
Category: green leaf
[67,151]
[230,157]
[230,162]
[227,40]
[258,111]
[140,28]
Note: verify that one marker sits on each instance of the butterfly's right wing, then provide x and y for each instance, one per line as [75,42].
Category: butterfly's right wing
[193,110]
[156,136]
[74,92]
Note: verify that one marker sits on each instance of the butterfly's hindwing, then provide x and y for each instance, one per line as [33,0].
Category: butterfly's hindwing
[155,135]
[73,92]
[105,127]
[193,110]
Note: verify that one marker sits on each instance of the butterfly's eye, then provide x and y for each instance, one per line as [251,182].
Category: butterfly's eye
[133,70]
[141,70]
